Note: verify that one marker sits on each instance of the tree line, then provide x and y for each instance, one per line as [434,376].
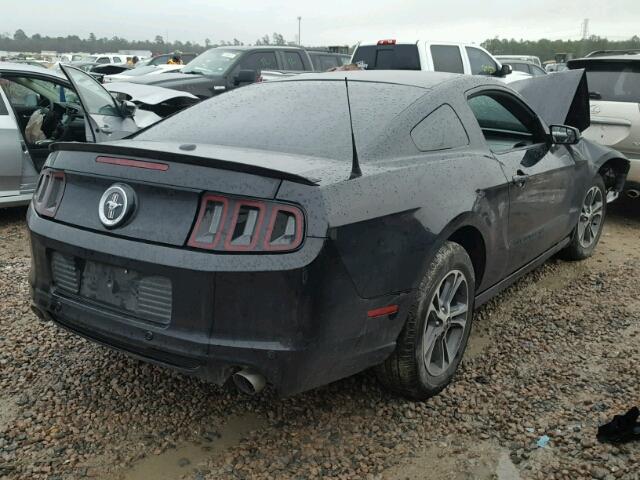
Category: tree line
[546,49]
[543,48]
[21,42]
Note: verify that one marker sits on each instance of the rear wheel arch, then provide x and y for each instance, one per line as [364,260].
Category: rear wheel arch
[471,239]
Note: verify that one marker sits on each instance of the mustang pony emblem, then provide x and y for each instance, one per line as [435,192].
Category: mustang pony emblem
[112,204]
[116,205]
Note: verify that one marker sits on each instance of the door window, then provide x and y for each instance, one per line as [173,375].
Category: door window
[260,61]
[447,58]
[505,122]
[117,60]
[95,98]
[293,61]
[103,60]
[481,63]
[323,63]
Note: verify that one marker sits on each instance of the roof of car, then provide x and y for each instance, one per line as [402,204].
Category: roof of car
[259,47]
[24,67]
[615,58]
[412,78]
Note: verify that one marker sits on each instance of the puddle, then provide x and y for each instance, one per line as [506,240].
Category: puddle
[174,463]
[480,461]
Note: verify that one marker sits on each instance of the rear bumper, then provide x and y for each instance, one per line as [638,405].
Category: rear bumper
[633,177]
[19,200]
[298,321]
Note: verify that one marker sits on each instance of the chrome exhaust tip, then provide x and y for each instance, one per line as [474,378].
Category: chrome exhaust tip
[248,381]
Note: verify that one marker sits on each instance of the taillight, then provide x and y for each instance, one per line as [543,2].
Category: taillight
[389,41]
[49,192]
[228,224]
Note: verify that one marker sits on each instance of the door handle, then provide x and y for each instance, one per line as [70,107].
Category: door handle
[520,179]
[106,129]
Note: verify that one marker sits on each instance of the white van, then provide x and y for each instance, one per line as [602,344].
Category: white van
[392,54]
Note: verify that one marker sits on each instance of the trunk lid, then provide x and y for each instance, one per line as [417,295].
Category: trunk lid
[168,183]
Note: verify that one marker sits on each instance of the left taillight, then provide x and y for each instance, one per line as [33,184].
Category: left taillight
[49,192]
[229,224]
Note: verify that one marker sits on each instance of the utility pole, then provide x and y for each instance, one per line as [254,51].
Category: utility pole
[299,39]
[585,29]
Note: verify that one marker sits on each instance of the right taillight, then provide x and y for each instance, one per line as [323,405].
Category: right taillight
[228,224]
[49,192]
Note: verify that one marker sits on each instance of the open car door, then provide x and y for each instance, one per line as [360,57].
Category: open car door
[105,117]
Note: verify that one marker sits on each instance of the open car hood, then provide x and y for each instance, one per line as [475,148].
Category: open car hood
[560,98]
[147,94]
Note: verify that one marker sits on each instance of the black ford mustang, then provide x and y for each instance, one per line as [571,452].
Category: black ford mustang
[300,231]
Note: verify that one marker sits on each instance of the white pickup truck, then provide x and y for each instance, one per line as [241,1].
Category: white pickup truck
[392,54]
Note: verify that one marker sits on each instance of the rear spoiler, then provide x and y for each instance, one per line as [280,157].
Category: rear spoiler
[560,98]
[175,157]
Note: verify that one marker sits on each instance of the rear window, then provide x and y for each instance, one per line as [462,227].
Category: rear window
[612,81]
[298,117]
[388,57]
[447,58]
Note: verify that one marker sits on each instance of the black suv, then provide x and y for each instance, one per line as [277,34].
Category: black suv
[224,68]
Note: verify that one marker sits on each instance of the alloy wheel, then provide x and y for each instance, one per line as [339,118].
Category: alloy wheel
[446,323]
[590,221]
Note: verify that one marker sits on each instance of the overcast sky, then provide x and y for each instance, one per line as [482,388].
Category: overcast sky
[324,22]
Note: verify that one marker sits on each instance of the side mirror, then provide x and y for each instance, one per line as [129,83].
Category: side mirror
[564,135]
[505,70]
[127,108]
[246,76]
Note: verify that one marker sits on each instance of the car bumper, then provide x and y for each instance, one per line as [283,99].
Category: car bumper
[19,200]
[300,327]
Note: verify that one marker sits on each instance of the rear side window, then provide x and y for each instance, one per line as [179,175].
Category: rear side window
[447,58]
[613,81]
[102,60]
[323,63]
[260,61]
[440,130]
[481,63]
[117,60]
[388,57]
[293,61]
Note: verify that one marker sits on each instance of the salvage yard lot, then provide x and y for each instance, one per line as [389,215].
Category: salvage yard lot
[556,355]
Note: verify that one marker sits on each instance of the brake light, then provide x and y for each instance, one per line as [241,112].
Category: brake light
[49,192]
[390,41]
[228,224]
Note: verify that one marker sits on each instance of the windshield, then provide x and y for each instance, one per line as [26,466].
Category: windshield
[298,117]
[613,81]
[214,61]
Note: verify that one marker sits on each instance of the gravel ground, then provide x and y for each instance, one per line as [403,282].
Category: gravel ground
[555,355]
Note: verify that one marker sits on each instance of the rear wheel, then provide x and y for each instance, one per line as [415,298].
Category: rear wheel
[590,223]
[433,340]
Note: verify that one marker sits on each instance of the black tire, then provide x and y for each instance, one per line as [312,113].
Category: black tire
[406,371]
[578,248]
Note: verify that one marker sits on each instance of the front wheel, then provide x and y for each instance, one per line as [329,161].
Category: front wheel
[433,340]
[590,223]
